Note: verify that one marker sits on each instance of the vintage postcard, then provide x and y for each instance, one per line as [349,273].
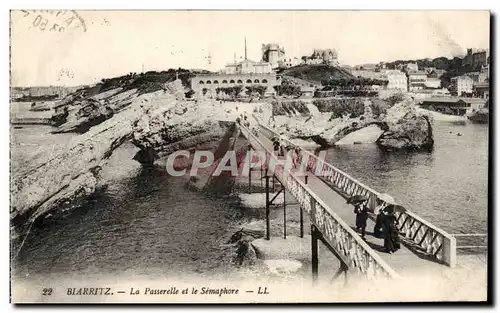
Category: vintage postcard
[249,156]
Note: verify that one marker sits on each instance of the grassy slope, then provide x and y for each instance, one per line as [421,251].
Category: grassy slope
[317,73]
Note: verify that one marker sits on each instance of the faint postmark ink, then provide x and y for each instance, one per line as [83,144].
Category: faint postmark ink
[54,20]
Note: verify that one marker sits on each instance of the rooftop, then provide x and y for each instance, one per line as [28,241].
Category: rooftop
[417,73]
[454,100]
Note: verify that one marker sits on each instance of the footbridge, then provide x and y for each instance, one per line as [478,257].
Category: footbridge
[322,197]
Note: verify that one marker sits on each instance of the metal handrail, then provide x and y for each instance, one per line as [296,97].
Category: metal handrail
[428,234]
[377,258]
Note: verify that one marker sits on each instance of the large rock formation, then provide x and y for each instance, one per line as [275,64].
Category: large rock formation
[157,122]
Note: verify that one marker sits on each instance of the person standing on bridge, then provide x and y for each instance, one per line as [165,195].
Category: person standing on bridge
[361,212]
[391,233]
[276,146]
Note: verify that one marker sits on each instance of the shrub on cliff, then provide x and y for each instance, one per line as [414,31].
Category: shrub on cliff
[352,107]
[292,107]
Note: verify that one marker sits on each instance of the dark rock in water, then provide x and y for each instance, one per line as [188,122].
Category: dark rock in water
[481,116]
[245,254]
[244,234]
[459,134]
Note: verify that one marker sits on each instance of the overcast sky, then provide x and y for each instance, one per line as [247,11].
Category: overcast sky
[118,42]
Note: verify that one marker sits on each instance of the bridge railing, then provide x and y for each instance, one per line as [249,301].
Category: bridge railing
[355,252]
[434,241]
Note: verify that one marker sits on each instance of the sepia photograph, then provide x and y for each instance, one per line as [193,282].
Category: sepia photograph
[251,156]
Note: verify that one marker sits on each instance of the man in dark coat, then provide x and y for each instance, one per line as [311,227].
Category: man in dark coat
[361,216]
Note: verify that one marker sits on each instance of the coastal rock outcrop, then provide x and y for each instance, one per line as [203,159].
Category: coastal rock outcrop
[406,128]
[78,112]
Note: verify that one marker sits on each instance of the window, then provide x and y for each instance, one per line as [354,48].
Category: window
[239,81]
[264,81]
[224,81]
[249,81]
[231,81]
[209,82]
[216,81]
[201,82]
[256,81]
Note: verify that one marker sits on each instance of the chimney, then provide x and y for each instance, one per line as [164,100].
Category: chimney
[245,48]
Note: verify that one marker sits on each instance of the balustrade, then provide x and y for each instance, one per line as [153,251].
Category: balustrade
[339,235]
[426,236]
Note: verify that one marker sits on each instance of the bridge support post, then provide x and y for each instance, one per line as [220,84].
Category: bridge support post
[284,212]
[268,223]
[301,215]
[250,169]
[249,180]
[261,176]
[314,252]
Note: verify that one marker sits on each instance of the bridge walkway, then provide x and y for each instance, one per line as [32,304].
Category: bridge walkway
[401,261]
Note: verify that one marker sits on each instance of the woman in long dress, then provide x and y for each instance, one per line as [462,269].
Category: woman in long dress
[391,233]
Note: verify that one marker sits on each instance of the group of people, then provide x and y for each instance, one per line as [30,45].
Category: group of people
[281,149]
[246,123]
[385,225]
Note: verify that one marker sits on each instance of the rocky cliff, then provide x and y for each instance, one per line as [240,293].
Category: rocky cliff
[157,122]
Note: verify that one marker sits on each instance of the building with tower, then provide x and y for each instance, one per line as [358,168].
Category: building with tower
[245,74]
[273,54]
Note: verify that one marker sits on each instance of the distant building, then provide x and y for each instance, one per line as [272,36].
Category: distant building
[416,80]
[482,90]
[322,56]
[273,54]
[460,85]
[291,62]
[435,73]
[396,80]
[476,58]
[248,67]
[478,77]
[453,106]
[245,73]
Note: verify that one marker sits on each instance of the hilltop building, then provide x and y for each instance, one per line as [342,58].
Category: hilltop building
[322,56]
[476,58]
